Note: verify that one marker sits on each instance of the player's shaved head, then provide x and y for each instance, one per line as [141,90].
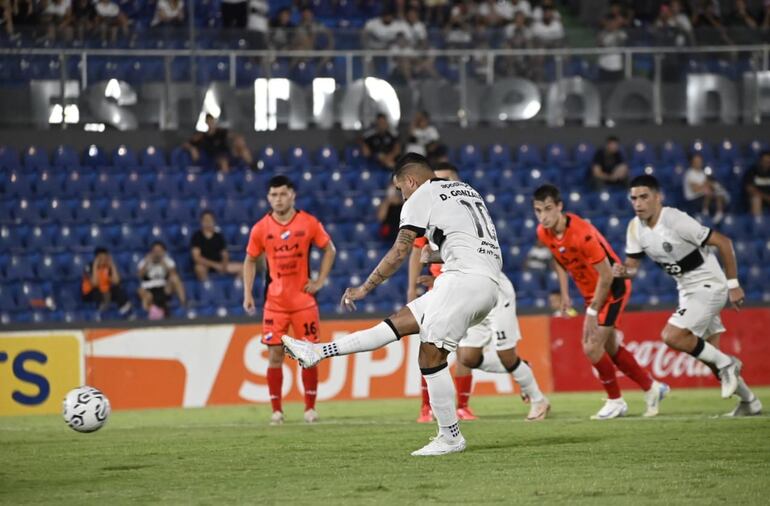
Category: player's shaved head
[411,171]
[412,163]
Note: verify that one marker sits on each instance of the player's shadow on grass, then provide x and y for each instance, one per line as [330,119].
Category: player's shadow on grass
[533,442]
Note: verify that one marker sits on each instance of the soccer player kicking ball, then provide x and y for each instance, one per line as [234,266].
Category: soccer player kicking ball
[680,245]
[455,219]
[500,327]
[578,248]
[285,236]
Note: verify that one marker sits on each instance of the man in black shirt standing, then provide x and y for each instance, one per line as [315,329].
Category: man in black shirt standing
[609,168]
[219,145]
[209,250]
[379,144]
[756,182]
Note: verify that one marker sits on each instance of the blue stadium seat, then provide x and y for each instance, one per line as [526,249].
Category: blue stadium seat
[298,158]
[30,211]
[704,149]
[35,158]
[556,155]
[672,154]
[124,157]
[584,154]
[168,185]
[195,185]
[354,157]
[65,157]
[19,184]
[327,157]
[226,185]
[528,155]
[181,211]
[469,156]
[9,297]
[49,184]
[78,184]
[499,156]
[21,267]
[180,158]
[153,158]
[150,210]
[9,158]
[728,152]
[642,154]
[268,158]
[94,157]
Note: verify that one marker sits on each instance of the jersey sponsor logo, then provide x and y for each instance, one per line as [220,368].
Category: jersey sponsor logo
[286,248]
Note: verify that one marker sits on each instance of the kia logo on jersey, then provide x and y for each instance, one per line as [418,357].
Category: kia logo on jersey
[285,248]
[285,235]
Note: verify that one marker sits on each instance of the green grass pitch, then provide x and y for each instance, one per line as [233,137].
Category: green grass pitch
[359,454]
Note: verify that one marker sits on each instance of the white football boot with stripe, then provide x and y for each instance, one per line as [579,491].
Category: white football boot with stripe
[613,408]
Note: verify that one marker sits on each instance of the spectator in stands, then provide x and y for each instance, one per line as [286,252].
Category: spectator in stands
[379,144]
[209,250]
[159,281]
[256,14]
[402,60]
[436,11]
[673,27]
[381,32]
[517,36]
[236,12]
[741,17]
[611,64]
[538,258]
[57,18]
[457,33]
[169,13]
[219,145]
[19,14]
[281,30]
[425,139]
[101,283]
[500,12]
[766,19]
[701,191]
[609,168]
[389,214]
[83,16]
[110,19]
[707,21]
[314,35]
[548,32]
[618,10]
[756,182]
[537,12]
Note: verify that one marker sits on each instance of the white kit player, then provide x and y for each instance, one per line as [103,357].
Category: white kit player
[455,219]
[680,245]
[500,329]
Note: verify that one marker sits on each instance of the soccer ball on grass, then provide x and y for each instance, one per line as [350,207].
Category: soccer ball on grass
[86,409]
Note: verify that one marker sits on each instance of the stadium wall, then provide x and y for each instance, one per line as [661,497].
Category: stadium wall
[525,132]
[204,365]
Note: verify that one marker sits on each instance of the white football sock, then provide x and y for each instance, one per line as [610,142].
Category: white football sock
[743,391]
[442,401]
[712,355]
[364,340]
[491,363]
[526,380]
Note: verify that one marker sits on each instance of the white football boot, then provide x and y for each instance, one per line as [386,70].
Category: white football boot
[728,376]
[653,396]
[301,351]
[311,416]
[613,408]
[276,418]
[747,408]
[441,445]
[538,410]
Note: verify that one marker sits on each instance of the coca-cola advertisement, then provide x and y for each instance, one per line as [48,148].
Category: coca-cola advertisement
[747,337]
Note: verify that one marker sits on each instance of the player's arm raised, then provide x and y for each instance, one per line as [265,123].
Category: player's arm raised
[330,252]
[385,269]
[250,264]
[726,252]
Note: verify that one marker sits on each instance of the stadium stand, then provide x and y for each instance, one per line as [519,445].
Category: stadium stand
[57,207]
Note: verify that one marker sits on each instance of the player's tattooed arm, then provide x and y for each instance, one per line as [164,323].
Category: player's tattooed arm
[392,259]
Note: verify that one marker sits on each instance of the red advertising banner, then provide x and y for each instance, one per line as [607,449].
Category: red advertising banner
[747,337]
[196,366]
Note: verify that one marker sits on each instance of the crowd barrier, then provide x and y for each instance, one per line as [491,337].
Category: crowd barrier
[197,366]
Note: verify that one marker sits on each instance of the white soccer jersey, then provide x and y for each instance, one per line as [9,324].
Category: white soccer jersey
[677,244]
[454,218]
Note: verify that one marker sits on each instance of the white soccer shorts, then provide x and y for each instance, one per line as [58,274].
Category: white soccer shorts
[500,327]
[699,309]
[457,302]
